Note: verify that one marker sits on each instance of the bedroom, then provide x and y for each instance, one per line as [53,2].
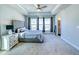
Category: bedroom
[33,28]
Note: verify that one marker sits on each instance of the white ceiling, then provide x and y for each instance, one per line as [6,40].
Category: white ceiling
[32,8]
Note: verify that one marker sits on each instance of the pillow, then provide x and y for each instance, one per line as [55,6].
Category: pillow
[23,29]
[9,31]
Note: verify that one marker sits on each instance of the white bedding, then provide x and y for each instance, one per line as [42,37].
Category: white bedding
[30,34]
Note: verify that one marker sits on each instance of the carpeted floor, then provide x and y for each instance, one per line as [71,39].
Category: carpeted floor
[52,46]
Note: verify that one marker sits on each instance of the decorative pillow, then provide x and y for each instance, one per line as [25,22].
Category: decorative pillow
[9,31]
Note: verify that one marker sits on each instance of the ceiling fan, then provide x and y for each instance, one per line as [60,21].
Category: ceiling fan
[39,6]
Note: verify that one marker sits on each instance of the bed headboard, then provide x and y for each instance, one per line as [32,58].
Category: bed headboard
[18,24]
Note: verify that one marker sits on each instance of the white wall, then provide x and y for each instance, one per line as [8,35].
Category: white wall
[8,13]
[6,22]
[70,25]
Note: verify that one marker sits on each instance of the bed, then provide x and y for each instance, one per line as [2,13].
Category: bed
[31,36]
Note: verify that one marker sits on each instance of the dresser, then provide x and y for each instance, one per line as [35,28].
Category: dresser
[8,41]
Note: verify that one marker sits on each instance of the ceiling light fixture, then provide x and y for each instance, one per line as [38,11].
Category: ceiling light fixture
[37,6]
[38,10]
[59,18]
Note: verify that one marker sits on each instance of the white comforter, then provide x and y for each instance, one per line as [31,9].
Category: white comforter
[30,34]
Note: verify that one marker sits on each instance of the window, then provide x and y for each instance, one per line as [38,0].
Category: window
[33,23]
[47,24]
[40,23]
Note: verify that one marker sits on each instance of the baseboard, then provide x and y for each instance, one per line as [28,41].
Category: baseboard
[76,47]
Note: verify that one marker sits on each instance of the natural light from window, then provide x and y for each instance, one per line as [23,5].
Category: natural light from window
[40,23]
[47,24]
[33,23]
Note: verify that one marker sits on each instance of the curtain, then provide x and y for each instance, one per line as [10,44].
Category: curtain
[51,25]
[29,23]
[38,23]
[43,24]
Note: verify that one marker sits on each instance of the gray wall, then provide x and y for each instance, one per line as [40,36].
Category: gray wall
[70,25]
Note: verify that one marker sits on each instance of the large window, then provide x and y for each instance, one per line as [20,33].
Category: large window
[33,23]
[40,23]
[47,24]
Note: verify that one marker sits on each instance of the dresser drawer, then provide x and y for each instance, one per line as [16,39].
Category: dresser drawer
[9,41]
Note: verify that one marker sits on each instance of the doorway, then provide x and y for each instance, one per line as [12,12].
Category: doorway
[59,25]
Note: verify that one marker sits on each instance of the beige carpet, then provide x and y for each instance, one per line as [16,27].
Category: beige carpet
[52,46]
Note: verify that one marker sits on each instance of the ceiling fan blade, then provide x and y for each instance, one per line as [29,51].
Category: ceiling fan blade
[41,7]
[38,6]
[44,7]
